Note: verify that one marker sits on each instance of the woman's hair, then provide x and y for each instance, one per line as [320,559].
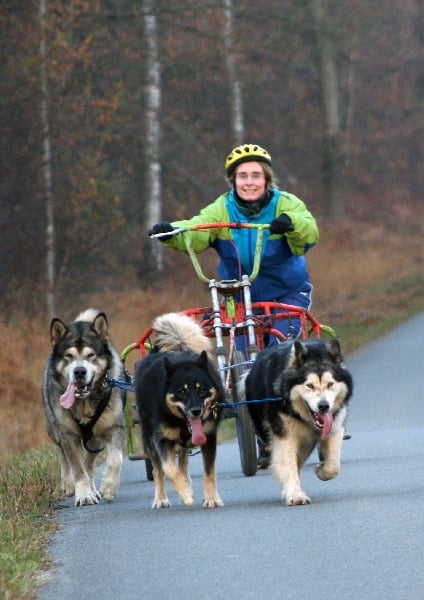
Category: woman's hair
[270,179]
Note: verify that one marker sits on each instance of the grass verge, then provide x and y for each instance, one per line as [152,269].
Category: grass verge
[376,311]
[27,483]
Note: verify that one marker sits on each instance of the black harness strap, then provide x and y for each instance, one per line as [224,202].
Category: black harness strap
[87,428]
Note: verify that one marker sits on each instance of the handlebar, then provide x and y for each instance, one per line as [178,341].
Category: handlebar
[220,225]
[217,225]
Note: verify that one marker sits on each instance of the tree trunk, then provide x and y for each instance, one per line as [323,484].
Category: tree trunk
[333,154]
[47,167]
[152,146]
[237,120]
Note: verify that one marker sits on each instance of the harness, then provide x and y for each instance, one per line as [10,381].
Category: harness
[128,386]
[86,429]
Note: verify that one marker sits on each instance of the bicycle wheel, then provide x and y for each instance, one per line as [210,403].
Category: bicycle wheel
[245,430]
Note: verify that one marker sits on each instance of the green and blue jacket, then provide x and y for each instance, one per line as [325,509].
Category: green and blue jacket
[283,265]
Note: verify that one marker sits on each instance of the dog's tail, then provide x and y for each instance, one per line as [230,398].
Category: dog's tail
[89,315]
[176,331]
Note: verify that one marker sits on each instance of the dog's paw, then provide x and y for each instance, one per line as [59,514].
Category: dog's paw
[67,491]
[188,500]
[67,487]
[186,496]
[86,495]
[327,471]
[87,499]
[108,493]
[297,499]
[215,502]
[161,503]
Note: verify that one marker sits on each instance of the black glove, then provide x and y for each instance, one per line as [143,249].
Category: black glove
[281,225]
[162,227]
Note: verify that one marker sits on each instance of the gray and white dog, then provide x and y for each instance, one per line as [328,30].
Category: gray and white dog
[83,412]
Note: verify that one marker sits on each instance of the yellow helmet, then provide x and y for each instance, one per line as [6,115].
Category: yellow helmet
[246,153]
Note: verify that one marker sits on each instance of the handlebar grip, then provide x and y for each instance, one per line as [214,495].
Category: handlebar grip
[168,233]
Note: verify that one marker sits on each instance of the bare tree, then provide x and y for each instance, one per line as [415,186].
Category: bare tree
[47,165]
[152,147]
[333,154]
[237,119]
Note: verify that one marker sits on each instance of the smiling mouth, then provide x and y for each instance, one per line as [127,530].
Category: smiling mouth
[74,391]
[323,422]
[82,391]
[250,195]
[195,427]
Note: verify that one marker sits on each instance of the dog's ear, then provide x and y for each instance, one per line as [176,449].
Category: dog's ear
[58,329]
[300,352]
[169,366]
[335,351]
[202,361]
[101,327]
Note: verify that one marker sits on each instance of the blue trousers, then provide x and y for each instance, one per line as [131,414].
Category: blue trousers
[289,327]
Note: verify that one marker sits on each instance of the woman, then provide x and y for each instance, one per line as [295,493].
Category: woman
[254,198]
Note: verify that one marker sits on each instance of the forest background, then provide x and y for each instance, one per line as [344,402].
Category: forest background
[79,147]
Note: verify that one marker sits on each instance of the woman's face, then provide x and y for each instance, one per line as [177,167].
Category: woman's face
[250,181]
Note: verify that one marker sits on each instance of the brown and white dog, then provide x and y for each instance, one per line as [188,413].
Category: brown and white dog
[306,388]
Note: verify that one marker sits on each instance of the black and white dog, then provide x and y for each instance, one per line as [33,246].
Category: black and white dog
[178,394]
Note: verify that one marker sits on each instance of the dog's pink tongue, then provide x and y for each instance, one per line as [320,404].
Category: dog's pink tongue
[326,420]
[67,399]
[198,437]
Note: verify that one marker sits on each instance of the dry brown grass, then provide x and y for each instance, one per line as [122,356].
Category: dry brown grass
[364,275]
[361,273]
[23,353]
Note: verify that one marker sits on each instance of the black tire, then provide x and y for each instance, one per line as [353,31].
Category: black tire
[245,430]
[149,469]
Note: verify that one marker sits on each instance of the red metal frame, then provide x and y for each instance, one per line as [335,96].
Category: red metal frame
[265,314]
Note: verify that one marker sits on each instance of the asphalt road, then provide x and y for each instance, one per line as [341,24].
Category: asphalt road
[362,536]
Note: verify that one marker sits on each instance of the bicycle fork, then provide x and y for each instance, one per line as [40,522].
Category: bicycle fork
[252,348]
[228,288]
